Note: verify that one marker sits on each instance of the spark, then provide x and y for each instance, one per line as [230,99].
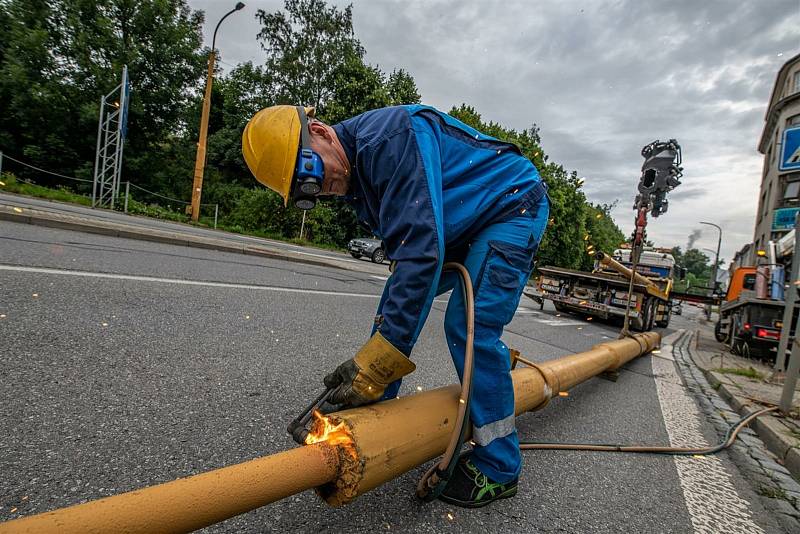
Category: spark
[13,510]
[35,295]
[462,401]
[18,210]
[589,318]
[25,498]
[558,315]
[580,328]
[2,315]
[2,183]
[450,516]
[419,388]
[247,317]
[599,216]
[656,351]
[104,324]
[563,394]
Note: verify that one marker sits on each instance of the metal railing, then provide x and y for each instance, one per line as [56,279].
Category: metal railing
[128,186]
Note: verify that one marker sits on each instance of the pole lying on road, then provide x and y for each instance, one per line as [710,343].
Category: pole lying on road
[381,442]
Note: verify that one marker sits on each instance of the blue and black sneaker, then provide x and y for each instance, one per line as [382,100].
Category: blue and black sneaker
[469,488]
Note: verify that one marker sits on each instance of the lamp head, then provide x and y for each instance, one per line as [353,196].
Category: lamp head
[239,6]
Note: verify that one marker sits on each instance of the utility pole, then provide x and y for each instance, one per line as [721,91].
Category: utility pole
[715,266]
[200,159]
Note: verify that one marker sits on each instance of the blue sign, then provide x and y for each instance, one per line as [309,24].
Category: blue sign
[790,152]
[784,219]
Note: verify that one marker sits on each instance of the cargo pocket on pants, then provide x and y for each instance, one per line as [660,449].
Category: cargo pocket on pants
[501,281]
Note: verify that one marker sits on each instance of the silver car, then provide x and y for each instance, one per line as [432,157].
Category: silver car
[369,247]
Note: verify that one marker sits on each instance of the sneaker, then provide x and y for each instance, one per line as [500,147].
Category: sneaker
[469,488]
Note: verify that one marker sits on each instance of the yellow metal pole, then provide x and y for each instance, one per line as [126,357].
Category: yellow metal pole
[194,502]
[611,263]
[200,158]
[382,441]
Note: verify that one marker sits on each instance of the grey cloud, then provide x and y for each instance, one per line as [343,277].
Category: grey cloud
[601,79]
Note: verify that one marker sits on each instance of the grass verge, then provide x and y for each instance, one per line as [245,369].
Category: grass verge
[749,372]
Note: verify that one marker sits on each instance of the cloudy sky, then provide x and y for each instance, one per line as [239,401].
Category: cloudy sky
[600,78]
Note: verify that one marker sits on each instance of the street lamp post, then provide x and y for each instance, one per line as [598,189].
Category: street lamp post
[716,262]
[200,159]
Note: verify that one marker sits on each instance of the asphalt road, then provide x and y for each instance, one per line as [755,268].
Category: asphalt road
[165,361]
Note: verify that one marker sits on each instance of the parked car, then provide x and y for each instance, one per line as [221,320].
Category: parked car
[369,247]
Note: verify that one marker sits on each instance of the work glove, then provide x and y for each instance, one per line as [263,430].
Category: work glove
[363,378]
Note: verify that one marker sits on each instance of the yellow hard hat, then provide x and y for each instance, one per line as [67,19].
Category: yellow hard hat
[269,144]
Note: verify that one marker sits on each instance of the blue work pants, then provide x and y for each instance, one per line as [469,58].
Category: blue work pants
[499,260]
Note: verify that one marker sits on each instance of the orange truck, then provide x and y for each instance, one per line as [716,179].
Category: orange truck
[750,322]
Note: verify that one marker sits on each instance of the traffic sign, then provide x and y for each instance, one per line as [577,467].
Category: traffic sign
[790,153]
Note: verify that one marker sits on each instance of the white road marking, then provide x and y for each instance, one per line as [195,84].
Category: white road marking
[559,322]
[713,503]
[138,278]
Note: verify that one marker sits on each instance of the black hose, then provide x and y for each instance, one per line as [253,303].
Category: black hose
[730,438]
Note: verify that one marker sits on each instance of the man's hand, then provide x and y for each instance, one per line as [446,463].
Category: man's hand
[363,378]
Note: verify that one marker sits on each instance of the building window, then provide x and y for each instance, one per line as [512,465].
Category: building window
[794,120]
[792,191]
[796,85]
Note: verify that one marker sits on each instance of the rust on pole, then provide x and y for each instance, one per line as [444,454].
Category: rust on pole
[373,444]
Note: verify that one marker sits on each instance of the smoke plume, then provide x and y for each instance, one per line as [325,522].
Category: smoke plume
[694,236]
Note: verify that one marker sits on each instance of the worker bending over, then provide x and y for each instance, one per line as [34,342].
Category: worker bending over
[434,190]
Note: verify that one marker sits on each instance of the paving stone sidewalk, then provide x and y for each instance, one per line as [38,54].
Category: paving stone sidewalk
[747,385]
[720,399]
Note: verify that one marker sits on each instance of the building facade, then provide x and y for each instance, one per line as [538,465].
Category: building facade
[779,197]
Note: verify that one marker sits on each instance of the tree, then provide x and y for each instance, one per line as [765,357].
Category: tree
[402,89]
[306,45]
[565,241]
[60,56]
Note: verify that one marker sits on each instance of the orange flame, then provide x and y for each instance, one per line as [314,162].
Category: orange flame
[328,432]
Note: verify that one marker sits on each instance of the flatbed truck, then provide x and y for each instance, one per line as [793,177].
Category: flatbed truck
[603,293]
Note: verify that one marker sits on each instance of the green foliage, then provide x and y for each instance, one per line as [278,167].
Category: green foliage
[739,371]
[604,234]
[402,88]
[156,211]
[306,45]
[573,221]
[11,184]
[58,56]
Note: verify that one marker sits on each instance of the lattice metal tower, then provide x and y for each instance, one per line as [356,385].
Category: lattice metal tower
[111,131]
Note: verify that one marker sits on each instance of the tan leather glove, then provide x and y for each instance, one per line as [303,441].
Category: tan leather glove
[363,378]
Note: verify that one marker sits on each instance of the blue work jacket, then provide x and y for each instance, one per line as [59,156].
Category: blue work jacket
[425,183]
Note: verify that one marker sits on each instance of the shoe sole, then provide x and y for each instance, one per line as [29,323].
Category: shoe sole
[479,504]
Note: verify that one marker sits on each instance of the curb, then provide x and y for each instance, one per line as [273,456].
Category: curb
[769,428]
[111,229]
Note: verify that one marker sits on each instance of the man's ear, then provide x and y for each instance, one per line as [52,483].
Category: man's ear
[320,129]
